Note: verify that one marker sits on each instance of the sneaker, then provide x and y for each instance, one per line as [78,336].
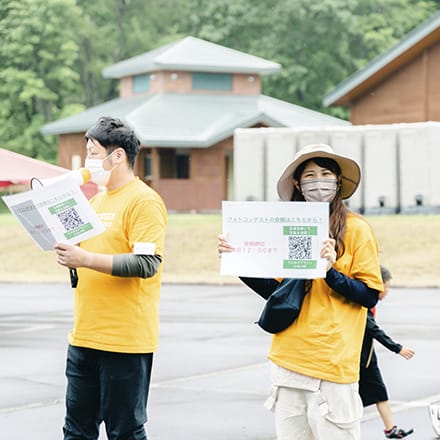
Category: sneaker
[396,432]
[434,411]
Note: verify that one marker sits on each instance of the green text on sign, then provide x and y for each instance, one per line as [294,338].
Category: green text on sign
[300,264]
[60,207]
[300,230]
[78,231]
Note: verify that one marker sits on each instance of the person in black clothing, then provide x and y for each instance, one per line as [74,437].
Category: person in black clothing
[372,388]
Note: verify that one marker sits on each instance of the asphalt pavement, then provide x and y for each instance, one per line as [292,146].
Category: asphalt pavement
[210,375]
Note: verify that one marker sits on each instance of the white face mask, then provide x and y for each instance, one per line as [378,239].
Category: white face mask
[98,174]
[319,190]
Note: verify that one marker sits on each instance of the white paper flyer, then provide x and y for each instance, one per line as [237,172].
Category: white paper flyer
[57,213]
[275,239]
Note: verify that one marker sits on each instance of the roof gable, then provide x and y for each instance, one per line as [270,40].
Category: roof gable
[192,54]
[81,122]
[188,120]
[420,38]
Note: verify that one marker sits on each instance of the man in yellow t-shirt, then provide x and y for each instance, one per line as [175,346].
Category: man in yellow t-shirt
[116,316]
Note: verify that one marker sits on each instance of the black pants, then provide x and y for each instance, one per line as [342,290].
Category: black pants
[372,388]
[106,387]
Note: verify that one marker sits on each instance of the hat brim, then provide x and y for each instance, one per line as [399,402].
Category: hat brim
[350,174]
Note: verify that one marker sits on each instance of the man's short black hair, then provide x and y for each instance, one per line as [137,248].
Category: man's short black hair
[112,133]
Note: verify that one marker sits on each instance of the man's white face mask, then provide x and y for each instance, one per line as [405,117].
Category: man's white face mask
[319,190]
[98,173]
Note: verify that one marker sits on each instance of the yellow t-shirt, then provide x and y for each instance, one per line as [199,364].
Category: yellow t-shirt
[325,340]
[121,314]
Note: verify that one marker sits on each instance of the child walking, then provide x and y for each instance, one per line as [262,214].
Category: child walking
[372,388]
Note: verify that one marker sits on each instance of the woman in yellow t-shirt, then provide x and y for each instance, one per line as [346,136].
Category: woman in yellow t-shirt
[315,361]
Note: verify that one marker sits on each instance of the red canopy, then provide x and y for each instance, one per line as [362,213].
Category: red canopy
[17,169]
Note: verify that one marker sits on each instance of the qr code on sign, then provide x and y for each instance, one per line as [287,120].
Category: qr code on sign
[70,219]
[299,247]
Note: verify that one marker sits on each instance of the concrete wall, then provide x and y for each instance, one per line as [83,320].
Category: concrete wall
[400,163]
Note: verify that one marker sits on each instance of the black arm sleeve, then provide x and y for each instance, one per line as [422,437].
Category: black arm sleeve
[262,286]
[133,265]
[354,290]
[377,333]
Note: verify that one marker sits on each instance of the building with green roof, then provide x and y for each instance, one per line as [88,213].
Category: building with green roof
[184,101]
[400,85]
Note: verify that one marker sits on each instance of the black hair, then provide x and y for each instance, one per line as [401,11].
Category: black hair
[338,211]
[112,133]
[386,274]
[323,162]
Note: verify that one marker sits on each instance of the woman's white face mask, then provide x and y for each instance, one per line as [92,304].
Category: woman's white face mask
[98,173]
[319,190]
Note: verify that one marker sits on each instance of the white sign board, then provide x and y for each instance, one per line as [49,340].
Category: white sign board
[275,239]
[57,213]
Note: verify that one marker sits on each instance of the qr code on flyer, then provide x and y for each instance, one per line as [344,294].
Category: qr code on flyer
[70,219]
[299,247]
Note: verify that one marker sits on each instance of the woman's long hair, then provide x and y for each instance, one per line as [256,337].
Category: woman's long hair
[338,211]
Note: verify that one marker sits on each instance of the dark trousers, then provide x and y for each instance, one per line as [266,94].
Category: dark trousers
[106,387]
[372,388]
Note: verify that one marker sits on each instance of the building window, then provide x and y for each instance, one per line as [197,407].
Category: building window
[147,167]
[174,164]
[141,83]
[211,81]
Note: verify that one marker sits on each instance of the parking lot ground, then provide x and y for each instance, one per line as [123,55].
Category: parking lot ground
[210,375]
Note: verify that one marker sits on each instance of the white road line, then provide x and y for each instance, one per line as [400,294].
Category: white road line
[31,406]
[153,385]
[203,375]
[31,328]
[404,406]
[396,407]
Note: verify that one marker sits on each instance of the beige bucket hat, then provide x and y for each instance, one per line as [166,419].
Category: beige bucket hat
[350,171]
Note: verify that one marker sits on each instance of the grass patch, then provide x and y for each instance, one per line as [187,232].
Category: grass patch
[410,248]
[21,259]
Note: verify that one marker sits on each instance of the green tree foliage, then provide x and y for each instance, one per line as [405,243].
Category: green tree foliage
[53,51]
[382,23]
[113,30]
[38,77]
[318,43]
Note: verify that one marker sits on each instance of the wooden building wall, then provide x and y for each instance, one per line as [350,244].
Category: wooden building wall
[411,94]
[203,191]
[207,185]
[70,145]
[180,82]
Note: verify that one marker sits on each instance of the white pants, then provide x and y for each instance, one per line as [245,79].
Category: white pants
[331,413]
